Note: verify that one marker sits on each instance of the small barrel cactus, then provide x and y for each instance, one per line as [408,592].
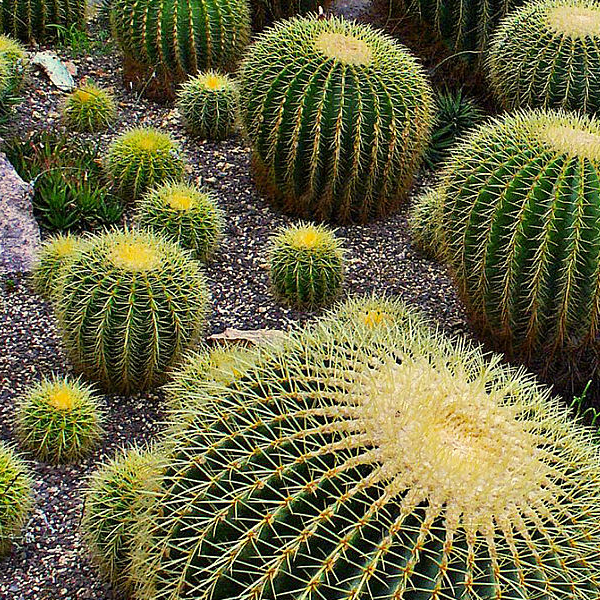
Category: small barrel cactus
[16,496]
[547,54]
[50,258]
[18,62]
[520,226]
[338,116]
[112,501]
[306,265]
[411,467]
[59,420]
[209,105]
[128,305]
[165,41]
[426,224]
[143,158]
[89,108]
[185,213]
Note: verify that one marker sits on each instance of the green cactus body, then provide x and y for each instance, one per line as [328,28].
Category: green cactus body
[185,213]
[338,116]
[89,109]
[16,496]
[426,225]
[209,105]
[521,225]
[306,265]
[547,54]
[128,305]
[165,41]
[412,468]
[18,62]
[59,420]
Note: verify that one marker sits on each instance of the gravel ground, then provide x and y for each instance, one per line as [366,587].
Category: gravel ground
[49,561]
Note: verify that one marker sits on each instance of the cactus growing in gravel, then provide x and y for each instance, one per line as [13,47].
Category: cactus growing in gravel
[113,497]
[426,224]
[338,116]
[520,226]
[547,54]
[128,305]
[142,158]
[306,265]
[16,57]
[186,214]
[59,420]
[413,467]
[209,105]
[166,41]
[15,496]
[89,108]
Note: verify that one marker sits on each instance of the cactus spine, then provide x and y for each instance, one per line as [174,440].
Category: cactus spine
[338,116]
[547,54]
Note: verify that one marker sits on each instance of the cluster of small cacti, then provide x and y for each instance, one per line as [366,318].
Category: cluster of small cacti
[165,41]
[209,105]
[59,420]
[338,116]
[128,304]
[306,265]
[141,159]
[185,213]
[89,108]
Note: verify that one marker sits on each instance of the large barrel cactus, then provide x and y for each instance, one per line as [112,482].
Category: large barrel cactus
[164,41]
[338,116]
[547,54]
[406,467]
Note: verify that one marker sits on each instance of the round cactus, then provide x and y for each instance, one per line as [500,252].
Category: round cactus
[18,62]
[89,108]
[547,54]
[413,467]
[50,258]
[166,41]
[16,496]
[209,105]
[306,265]
[338,116]
[142,158]
[128,305]
[112,501]
[59,420]
[186,214]
[520,222]
[426,224]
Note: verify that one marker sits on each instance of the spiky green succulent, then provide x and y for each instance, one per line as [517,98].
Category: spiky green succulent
[141,159]
[306,265]
[547,54]
[51,256]
[18,62]
[165,41]
[338,116]
[16,496]
[112,501]
[185,213]
[59,420]
[426,224]
[209,105]
[128,305]
[520,226]
[89,108]
[409,467]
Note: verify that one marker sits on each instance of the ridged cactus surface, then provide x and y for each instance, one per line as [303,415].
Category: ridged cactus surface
[407,467]
[338,116]
[547,54]
[165,41]
[89,108]
[128,305]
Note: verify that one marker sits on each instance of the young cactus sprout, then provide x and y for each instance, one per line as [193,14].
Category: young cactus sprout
[59,420]
[141,159]
[89,108]
[209,105]
[306,265]
[185,213]
[16,496]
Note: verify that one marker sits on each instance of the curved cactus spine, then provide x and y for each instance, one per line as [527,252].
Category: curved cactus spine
[338,116]
[547,54]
